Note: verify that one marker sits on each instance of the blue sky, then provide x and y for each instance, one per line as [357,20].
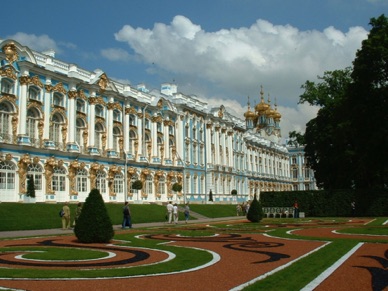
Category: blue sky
[218,50]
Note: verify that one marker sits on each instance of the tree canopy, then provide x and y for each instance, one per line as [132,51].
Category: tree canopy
[346,143]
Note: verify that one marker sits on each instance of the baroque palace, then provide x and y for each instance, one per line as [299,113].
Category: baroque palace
[73,130]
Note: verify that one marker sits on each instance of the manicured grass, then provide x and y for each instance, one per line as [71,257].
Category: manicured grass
[366,230]
[30,216]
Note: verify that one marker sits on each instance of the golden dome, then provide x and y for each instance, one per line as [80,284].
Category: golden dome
[249,114]
[261,107]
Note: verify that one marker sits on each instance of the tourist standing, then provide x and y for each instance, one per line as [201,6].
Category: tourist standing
[296,209]
[66,216]
[353,206]
[175,212]
[170,209]
[126,216]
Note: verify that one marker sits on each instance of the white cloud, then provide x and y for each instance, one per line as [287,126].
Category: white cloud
[36,42]
[115,54]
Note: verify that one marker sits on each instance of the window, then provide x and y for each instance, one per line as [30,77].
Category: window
[80,105]
[133,191]
[34,93]
[80,125]
[117,115]
[116,137]
[58,99]
[99,110]
[194,133]
[99,131]
[81,180]
[59,179]
[118,183]
[294,173]
[7,86]
[171,130]
[293,160]
[7,175]
[5,118]
[101,181]
[32,125]
[147,124]
[306,173]
[159,127]
[162,184]
[148,185]
[55,129]
[187,185]
[132,139]
[132,120]
[35,170]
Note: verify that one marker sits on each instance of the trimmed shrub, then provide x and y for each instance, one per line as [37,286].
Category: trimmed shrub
[255,212]
[94,224]
[177,187]
[137,185]
[30,187]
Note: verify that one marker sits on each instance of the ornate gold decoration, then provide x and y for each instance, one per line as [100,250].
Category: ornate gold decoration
[40,131]
[24,80]
[23,165]
[81,94]
[103,82]
[49,171]
[143,177]
[10,52]
[113,170]
[96,100]
[114,105]
[136,145]
[59,88]
[72,94]
[73,168]
[85,137]
[160,103]
[49,88]
[8,72]
[64,135]
[36,81]
[93,173]
[14,126]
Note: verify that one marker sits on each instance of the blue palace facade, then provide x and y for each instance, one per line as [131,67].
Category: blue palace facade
[72,130]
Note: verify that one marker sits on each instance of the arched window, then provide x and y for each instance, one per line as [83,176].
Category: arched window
[81,105]
[118,184]
[99,131]
[81,180]
[32,125]
[6,111]
[36,170]
[99,110]
[7,175]
[33,93]
[101,181]
[7,86]
[159,127]
[295,173]
[116,137]
[132,191]
[147,124]
[58,99]
[159,141]
[171,130]
[55,129]
[59,179]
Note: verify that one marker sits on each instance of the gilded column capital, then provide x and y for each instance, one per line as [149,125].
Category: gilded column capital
[24,80]
[72,94]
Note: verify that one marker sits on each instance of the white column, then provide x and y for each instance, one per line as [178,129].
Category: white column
[47,106]
[92,122]
[154,138]
[208,144]
[71,113]
[109,127]
[217,145]
[23,103]
[126,128]
[166,140]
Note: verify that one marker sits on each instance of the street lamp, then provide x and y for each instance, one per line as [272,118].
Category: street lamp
[125,176]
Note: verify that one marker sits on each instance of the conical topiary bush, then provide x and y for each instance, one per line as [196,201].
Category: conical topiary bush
[255,212]
[94,224]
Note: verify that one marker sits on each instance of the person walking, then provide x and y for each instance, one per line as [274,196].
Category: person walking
[77,213]
[170,209]
[126,216]
[66,216]
[296,209]
[175,212]
[187,212]
[353,206]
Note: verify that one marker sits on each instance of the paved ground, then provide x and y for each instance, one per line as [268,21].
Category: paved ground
[58,231]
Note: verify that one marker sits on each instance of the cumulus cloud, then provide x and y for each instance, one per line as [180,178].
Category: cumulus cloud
[115,54]
[235,62]
[36,42]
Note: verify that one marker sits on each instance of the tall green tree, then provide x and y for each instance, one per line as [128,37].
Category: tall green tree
[367,107]
[327,146]
[30,187]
